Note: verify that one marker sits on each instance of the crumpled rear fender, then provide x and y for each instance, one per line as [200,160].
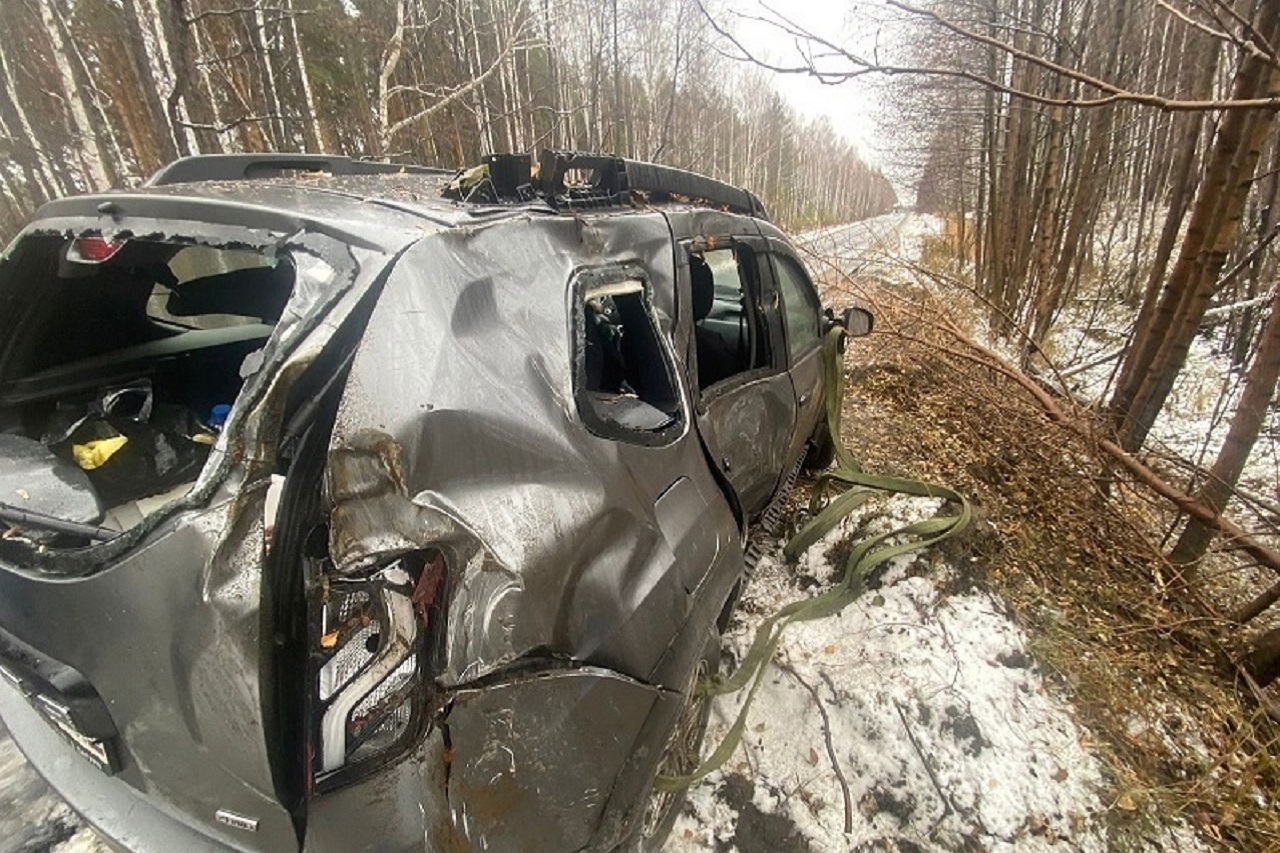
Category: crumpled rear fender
[529,762]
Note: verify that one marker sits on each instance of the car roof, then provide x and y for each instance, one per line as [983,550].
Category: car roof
[382,204]
[379,211]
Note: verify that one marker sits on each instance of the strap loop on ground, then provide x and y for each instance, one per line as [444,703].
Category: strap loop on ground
[866,556]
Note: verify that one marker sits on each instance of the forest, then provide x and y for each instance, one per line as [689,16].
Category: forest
[1123,151]
[1115,151]
[101,93]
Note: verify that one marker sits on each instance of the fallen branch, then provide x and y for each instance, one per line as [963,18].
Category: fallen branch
[831,750]
[928,768]
[1255,608]
[1241,539]
[1093,362]
[1225,310]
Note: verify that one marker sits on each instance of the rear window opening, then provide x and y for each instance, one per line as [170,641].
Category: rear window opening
[625,383]
[120,364]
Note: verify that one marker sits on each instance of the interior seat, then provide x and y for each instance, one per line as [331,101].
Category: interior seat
[716,359]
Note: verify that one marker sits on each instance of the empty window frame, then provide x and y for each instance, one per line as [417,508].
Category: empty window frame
[624,377]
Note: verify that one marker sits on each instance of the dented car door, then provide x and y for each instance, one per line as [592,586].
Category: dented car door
[746,409]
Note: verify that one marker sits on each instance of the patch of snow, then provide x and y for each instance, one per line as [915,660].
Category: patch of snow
[940,721]
[1193,424]
[875,246]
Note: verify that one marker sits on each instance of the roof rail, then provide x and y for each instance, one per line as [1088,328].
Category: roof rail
[666,181]
[244,167]
[612,181]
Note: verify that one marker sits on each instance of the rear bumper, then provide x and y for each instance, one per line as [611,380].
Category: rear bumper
[127,819]
[564,772]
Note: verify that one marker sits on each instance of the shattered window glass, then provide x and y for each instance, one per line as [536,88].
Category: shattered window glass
[124,366]
[202,287]
[625,381]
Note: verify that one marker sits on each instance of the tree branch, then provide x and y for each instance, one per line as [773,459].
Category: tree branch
[1240,539]
[457,93]
[237,10]
[863,67]
[232,125]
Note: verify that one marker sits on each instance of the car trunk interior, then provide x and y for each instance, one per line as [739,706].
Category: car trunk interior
[120,364]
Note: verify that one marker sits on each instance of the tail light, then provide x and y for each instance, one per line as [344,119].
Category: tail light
[93,250]
[371,687]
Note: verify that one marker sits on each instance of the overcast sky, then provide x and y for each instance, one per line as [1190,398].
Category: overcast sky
[850,105]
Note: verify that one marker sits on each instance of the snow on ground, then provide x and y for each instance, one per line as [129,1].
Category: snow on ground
[875,246]
[1195,419]
[942,725]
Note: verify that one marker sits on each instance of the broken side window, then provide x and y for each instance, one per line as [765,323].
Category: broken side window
[624,379]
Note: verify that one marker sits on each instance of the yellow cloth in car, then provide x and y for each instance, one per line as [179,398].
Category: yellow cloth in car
[94,454]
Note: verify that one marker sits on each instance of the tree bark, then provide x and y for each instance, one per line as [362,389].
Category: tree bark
[1259,388]
[177,35]
[312,131]
[41,176]
[162,141]
[1263,660]
[1153,363]
[92,154]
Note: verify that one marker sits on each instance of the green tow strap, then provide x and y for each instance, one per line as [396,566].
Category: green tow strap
[867,555]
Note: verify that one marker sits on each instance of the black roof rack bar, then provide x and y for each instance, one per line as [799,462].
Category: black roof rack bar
[245,167]
[660,181]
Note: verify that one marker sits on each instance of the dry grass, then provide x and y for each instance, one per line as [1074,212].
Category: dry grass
[1076,557]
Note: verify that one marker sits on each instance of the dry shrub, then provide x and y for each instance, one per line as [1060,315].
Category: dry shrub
[1075,555]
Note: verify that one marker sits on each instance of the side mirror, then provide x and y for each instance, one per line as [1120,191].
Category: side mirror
[858,322]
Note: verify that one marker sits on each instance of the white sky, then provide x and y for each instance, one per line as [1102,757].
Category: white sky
[851,105]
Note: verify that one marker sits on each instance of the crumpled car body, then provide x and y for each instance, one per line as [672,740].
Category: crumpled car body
[421,514]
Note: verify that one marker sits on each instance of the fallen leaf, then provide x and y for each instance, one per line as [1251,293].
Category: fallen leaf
[24,494]
[1060,775]
[831,649]
[1124,801]
[813,756]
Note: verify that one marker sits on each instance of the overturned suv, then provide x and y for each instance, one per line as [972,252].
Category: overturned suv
[347,506]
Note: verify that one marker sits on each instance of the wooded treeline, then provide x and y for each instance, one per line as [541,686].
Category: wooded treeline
[98,93]
[1116,151]
[1107,116]
[1041,182]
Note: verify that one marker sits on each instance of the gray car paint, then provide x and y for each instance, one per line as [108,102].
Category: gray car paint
[590,571]
[168,629]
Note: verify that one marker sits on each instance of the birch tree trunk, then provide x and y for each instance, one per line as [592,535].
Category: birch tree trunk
[144,64]
[92,154]
[271,95]
[1153,362]
[185,92]
[313,133]
[41,175]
